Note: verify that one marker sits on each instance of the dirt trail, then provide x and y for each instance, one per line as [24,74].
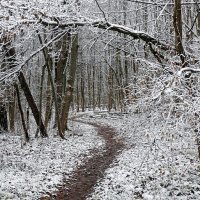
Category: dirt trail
[81,184]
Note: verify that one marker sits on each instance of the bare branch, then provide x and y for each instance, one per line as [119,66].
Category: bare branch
[159,4]
[188,69]
[114,27]
[101,10]
[19,68]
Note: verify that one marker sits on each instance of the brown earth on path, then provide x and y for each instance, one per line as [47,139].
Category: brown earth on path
[83,179]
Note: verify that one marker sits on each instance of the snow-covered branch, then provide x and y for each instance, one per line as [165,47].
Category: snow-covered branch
[113,27]
[159,4]
[188,69]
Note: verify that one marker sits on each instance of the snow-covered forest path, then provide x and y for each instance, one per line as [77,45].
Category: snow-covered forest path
[81,183]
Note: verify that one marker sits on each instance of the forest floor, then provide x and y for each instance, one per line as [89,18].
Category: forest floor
[83,179]
[159,162]
[27,171]
[109,157]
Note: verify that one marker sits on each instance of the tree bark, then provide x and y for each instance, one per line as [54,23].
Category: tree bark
[60,65]
[77,93]
[198,23]
[46,56]
[3,118]
[49,99]
[70,84]
[41,96]
[32,104]
[12,112]
[93,87]
[82,92]
[177,20]
[22,114]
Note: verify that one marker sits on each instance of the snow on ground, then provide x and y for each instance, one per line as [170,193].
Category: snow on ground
[159,163]
[27,171]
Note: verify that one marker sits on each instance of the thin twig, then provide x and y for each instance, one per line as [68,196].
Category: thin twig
[101,10]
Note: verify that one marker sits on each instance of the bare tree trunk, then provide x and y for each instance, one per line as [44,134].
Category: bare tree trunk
[60,68]
[82,92]
[21,114]
[46,56]
[49,99]
[198,24]
[126,72]
[119,77]
[126,54]
[41,96]
[3,118]
[77,93]
[28,107]
[110,88]
[32,104]
[99,87]
[177,20]
[89,86]
[70,84]
[12,112]
[93,87]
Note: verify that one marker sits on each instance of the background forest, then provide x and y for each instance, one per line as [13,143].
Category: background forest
[59,58]
[109,54]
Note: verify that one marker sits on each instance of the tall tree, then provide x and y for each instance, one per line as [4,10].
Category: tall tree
[177,20]
[70,84]
[10,57]
[21,113]
[32,104]
[3,118]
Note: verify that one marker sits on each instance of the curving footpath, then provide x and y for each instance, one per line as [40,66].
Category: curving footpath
[84,178]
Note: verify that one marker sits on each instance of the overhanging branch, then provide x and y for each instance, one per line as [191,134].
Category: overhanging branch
[159,4]
[113,27]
